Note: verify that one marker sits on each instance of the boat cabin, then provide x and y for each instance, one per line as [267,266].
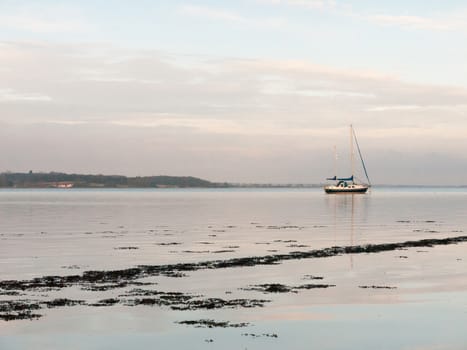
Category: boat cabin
[345,184]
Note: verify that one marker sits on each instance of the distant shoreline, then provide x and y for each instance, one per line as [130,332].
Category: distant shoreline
[67,181]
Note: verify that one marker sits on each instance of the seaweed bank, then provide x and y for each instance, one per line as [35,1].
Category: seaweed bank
[107,280]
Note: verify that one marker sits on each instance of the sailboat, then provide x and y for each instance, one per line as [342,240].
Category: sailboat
[349,184]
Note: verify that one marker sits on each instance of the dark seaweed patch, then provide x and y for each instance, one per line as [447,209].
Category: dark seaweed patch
[181,301]
[21,315]
[314,286]
[60,302]
[206,323]
[175,274]
[19,309]
[311,277]
[71,267]
[98,287]
[151,292]
[377,287]
[41,284]
[184,302]
[10,293]
[270,288]
[282,288]
[105,302]
[284,227]
[218,303]
[10,310]
[254,335]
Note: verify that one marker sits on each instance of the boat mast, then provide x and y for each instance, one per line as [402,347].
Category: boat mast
[335,161]
[351,151]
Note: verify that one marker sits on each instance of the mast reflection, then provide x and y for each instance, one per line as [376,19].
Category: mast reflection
[349,212]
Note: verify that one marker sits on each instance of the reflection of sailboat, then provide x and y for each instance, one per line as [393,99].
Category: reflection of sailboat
[350,218]
[348,184]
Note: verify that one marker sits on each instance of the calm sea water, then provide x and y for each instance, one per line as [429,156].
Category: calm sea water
[62,232]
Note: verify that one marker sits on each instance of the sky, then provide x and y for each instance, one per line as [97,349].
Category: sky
[237,91]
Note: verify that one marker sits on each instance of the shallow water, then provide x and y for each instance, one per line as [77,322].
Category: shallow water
[64,232]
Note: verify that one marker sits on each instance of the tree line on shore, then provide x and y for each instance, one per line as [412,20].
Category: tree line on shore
[57,179]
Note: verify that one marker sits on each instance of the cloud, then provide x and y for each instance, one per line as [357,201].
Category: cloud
[153,85]
[442,22]
[230,16]
[281,86]
[43,19]
[320,4]
[297,67]
[448,21]
[417,108]
[33,23]
[310,4]
[211,13]
[9,95]
[415,22]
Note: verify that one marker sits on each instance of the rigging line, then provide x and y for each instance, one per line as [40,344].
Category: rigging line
[361,157]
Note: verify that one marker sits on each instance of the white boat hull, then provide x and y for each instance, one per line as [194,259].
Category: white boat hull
[354,188]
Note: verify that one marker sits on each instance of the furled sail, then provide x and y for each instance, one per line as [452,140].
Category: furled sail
[345,178]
